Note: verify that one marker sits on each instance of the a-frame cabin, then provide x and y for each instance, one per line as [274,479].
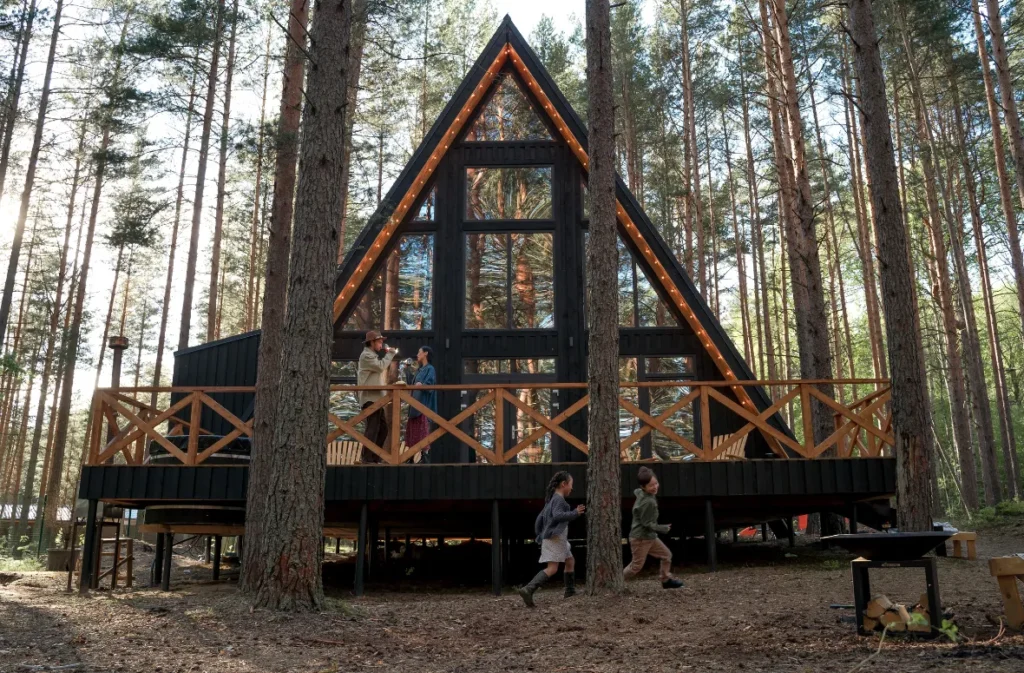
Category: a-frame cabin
[495,193]
[478,252]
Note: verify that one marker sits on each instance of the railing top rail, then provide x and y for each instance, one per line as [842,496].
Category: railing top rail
[510,386]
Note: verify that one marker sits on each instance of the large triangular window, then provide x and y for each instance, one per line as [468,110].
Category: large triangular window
[507,115]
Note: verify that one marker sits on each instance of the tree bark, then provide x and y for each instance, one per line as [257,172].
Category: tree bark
[197,203]
[604,515]
[284,525]
[10,118]
[358,41]
[52,494]
[805,264]
[178,198]
[1005,194]
[910,404]
[212,314]
[254,232]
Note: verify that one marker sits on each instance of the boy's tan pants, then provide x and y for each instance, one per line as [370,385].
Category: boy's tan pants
[641,550]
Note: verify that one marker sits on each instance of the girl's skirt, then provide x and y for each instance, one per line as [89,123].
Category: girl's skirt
[555,550]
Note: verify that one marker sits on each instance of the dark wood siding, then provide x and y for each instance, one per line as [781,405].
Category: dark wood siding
[227,362]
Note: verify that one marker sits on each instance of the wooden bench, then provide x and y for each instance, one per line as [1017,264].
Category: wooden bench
[735,452]
[1007,570]
[348,452]
[971,540]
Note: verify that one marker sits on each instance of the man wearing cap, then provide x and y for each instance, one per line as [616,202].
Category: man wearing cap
[373,364]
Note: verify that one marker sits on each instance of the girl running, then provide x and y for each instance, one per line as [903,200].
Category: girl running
[551,528]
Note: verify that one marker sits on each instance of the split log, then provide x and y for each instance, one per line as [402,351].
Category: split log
[877,607]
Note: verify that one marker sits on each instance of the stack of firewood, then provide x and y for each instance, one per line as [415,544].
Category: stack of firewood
[882,613]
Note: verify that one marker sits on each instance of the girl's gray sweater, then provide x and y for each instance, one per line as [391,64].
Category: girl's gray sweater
[553,520]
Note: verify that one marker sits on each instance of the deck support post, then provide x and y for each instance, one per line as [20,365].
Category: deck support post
[735,535]
[165,579]
[791,531]
[217,542]
[387,550]
[371,547]
[709,535]
[764,532]
[853,518]
[89,557]
[207,557]
[157,567]
[337,545]
[495,548]
[361,550]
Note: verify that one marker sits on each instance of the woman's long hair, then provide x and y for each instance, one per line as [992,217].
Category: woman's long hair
[557,479]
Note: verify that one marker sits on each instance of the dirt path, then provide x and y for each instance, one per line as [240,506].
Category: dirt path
[771,616]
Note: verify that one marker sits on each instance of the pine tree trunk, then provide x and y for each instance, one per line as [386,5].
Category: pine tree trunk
[358,41]
[268,375]
[802,239]
[976,371]
[1005,195]
[10,117]
[254,232]
[689,194]
[748,347]
[604,514]
[60,437]
[1006,94]
[959,403]
[911,422]
[212,314]
[863,238]
[284,529]
[55,309]
[757,239]
[165,306]
[197,202]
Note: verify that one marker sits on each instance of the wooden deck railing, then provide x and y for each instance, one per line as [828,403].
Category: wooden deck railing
[126,428]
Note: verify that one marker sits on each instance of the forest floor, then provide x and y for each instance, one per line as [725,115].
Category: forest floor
[767,609]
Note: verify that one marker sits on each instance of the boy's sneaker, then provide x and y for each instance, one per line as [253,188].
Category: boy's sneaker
[672,583]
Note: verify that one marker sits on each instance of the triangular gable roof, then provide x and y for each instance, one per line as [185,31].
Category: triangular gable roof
[650,250]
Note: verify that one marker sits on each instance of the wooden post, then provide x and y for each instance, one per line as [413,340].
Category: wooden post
[764,532]
[387,550]
[117,555]
[853,518]
[217,542]
[499,425]
[396,426]
[130,564]
[156,569]
[371,547]
[705,422]
[209,544]
[165,580]
[495,549]
[337,545]
[709,535]
[361,551]
[88,549]
[735,535]
[791,531]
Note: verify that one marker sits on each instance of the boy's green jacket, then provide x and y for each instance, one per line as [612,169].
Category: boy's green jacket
[645,517]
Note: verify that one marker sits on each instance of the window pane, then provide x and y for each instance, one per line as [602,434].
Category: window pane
[508,115]
[683,365]
[534,366]
[524,425]
[521,193]
[628,423]
[504,366]
[680,422]
[486,367]
[400,297]
[652,310]
[533,295]
[427,208]
[486,281]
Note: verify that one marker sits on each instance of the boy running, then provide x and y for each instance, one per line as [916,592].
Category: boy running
[643,535]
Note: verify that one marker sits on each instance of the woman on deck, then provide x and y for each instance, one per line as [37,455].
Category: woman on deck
[418,425]
[552,530]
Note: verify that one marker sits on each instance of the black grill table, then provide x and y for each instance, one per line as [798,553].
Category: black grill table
[893,550]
